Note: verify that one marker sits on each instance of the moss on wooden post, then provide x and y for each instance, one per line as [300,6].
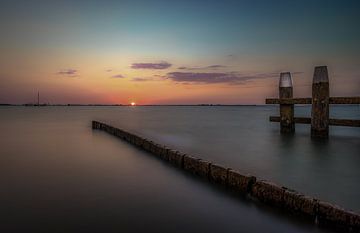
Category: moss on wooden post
[287,124]
[320,103]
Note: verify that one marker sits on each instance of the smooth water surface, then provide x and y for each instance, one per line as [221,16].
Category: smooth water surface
[58,175]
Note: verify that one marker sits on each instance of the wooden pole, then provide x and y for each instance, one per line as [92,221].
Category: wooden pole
[287,124]
[320,103]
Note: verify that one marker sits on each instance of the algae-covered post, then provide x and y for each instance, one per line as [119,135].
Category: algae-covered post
[287,124]
[320,103]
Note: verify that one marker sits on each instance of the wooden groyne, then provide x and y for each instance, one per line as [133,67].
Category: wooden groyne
[320,212]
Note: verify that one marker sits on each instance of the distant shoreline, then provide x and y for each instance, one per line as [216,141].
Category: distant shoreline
[150,105]
[124,105]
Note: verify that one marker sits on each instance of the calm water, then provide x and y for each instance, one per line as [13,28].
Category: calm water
[58,175]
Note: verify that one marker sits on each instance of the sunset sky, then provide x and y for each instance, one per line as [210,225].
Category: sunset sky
[174,52]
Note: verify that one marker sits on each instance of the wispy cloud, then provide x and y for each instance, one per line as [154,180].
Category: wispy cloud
[68,72]
[233,78]
[118,76]
[216,66]
[158,76]
[157,66]
[211,67]
[141,79]
[155,77]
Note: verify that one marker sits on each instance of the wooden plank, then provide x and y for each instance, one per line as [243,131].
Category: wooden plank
[274,118]
[344,122]
[333,122]
[344,100]
[289,101]
[332,100]
[298,120]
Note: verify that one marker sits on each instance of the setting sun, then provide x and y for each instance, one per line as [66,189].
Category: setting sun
[133,103]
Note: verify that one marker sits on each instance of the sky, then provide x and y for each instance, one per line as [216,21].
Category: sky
[174,52]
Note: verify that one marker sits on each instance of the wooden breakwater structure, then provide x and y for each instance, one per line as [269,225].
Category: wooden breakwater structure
[320,102]
[320,212]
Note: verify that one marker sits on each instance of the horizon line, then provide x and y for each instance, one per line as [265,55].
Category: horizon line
[125,105]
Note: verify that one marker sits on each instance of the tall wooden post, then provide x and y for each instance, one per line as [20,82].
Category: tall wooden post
[287,124]
[320,103]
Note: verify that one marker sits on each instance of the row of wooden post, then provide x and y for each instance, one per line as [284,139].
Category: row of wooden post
[320,105]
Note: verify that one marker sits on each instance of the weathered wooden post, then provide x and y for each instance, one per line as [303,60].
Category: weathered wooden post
[287,124]
[320,103]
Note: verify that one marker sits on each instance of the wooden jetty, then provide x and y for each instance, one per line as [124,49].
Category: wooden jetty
[320,102]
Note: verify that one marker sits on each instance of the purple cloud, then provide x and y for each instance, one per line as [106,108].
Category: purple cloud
[156,66]
[211,78]
[216,66]
[117,76]
[155,77]
[68,72]
[211,67]
[159,77]
[142,79]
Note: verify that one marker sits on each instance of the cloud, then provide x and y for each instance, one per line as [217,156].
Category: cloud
[216,66]
[117,76]
[159,77]
[211,67]
[68,72]
[141,79]
[156,66]
[155,77]
[219,77]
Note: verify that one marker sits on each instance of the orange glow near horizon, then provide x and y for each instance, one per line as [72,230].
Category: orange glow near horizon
[91,83]
[119,56]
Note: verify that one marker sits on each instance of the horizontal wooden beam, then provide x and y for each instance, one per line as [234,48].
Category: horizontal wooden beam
[298,120]
[333,122]
[332,100]
[289,101]
[344,122]
[344,100]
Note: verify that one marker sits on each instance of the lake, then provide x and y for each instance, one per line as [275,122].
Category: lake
[58,175]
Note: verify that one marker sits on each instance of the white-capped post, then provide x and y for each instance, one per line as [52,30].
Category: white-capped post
[320,103]
[287,124]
